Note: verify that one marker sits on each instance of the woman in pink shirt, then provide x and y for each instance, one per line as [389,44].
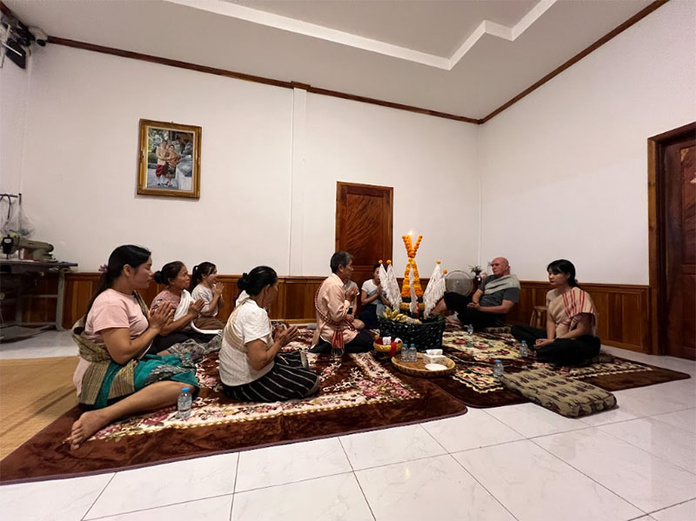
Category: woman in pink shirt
[117,374]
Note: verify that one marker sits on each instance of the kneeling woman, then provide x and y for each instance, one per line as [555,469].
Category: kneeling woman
[251,368]
[116,376]
[571,324]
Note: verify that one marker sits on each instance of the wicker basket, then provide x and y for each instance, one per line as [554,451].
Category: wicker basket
[383,352]
[418,368]
[427,335]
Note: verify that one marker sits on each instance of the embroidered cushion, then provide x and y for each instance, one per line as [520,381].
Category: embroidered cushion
[567,397]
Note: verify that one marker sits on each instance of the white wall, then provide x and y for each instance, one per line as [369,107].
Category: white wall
[565,169]
[430,162]
[80,162]
[270,161]
[14,83]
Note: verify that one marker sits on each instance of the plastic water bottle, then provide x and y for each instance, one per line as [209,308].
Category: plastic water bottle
[470,329]
[303,359]
[413,353]
[184,404]
[498,370]
[524,349]
[336,352]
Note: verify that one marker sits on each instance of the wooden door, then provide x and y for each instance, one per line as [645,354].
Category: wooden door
[364,225]
[680,254]
[675,190]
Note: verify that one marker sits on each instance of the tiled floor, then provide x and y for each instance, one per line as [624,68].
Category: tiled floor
[518,462]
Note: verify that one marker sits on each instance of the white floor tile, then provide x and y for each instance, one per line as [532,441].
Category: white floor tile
[332,498]
[375,448]
[289,463]
[530,419]
[60,500]
[644,480]
[46,344]
[474,429]
[657,399]
[683,512]
[435,488]
[685,419]
[676,445]
[213,509]
[618,414]
[536,486]
[167,484]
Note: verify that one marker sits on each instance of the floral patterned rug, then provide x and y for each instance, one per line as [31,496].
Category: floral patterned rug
[474,384]
[357,394]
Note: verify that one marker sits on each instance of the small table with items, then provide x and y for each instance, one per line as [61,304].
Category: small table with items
[18,276]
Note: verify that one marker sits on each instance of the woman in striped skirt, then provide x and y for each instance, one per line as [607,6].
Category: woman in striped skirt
[251,368]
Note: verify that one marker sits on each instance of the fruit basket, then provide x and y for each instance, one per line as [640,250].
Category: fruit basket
[383,352]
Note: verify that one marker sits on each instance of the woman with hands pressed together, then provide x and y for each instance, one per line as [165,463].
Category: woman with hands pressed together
[372,300]
[252,368]
[177,280]
[571,325]
[118,373]
[205,285]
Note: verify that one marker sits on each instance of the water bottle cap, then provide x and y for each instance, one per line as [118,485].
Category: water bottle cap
[185,389]
[497,361]
[524,341]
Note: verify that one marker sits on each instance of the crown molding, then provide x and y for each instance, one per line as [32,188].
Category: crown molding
[292,25]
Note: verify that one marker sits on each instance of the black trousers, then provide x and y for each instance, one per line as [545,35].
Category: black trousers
[369,316]
[480,320]
[161,343]
[362,343]
[563,351]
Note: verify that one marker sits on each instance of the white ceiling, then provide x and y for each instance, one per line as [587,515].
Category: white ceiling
[462,57]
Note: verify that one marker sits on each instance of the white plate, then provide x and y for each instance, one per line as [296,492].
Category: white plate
[436,367]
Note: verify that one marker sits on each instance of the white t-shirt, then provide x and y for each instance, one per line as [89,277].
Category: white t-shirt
[370,288]
[252,323]
[204,292]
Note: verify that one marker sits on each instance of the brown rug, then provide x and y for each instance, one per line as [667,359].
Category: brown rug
[33,393]
[473,381]
[358,394]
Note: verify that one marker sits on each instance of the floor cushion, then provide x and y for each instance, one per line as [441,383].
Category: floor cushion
[567,397]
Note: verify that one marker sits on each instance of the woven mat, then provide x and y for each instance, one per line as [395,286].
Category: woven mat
[33,393]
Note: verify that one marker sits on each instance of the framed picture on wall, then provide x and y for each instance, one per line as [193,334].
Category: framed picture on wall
[169,159]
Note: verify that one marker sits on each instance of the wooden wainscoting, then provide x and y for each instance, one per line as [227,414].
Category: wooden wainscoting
[624,310]
[295,296]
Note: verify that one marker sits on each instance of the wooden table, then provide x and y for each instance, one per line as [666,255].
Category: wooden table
[23,269]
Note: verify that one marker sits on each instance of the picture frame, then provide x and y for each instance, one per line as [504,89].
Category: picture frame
[169,159]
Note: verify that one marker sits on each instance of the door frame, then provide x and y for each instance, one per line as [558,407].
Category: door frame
[656,233]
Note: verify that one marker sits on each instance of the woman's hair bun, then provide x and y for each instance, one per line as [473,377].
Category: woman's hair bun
[243,282]
[158,277]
